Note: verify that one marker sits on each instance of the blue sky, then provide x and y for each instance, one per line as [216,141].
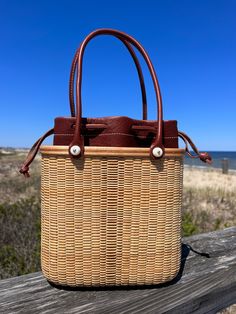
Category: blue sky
[191,43]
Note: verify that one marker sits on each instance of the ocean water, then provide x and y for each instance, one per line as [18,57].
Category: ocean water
[217,160]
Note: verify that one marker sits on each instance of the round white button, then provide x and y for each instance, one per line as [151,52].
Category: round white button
[157,152]
[75,150]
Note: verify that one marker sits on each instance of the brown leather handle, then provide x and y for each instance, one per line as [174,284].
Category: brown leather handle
[76,148]
[138,68]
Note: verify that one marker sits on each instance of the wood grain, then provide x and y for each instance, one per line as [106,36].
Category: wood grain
[110,151]
[206,285]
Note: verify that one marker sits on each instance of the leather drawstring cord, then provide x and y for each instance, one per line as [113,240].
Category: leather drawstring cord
[207,255]
[205,157]
[32,153]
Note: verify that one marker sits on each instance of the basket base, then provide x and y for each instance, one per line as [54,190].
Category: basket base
[171,281]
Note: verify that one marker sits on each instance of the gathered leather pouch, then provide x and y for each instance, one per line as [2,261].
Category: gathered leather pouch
[111,190]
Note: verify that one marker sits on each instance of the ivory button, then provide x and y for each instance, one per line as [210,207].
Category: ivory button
[157,152]
[75,150]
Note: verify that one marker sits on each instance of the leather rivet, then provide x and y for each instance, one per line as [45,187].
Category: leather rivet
[157,152]
[75,150]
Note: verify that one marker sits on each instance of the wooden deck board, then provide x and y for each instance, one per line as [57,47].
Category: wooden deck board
[205,286]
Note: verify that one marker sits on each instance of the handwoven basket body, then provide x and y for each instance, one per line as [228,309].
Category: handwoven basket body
[111,218]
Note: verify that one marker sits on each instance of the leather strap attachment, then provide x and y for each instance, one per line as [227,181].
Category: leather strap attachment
[205,157]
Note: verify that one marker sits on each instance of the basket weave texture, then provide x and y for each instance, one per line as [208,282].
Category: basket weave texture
[111,219]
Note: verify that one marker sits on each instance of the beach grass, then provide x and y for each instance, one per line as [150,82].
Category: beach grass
[209,200]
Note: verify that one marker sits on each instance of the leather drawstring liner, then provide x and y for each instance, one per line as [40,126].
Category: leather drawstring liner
[32,153]
[205,157]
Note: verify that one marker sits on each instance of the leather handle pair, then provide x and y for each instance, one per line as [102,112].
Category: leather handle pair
[140,76]
[76,148]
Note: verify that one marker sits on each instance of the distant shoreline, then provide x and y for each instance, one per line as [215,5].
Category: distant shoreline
[209,168]
[217,157]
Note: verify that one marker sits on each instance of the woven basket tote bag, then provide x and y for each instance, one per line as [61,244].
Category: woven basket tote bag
[111,191]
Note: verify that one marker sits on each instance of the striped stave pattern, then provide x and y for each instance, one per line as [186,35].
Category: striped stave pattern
[111,220]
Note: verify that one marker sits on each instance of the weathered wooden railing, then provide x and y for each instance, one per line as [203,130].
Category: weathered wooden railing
[204,285]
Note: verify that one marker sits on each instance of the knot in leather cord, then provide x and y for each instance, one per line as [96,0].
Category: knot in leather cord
[25,171]
[32,153]
[205,157]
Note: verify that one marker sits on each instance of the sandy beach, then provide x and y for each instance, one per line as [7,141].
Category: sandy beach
[209,178]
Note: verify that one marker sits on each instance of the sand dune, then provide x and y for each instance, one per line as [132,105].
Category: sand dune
[209,178]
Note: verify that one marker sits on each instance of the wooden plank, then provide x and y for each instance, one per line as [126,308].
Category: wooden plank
[206,285]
